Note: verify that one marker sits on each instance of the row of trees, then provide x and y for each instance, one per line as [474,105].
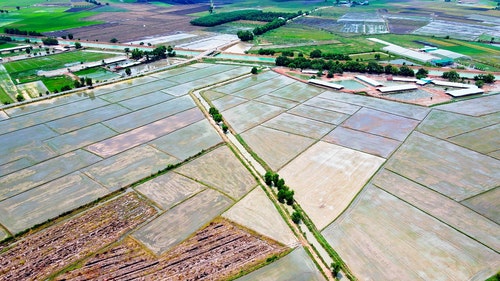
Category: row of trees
[340,67]
[329,56]
[18,31]
[259,30]
[50,41]
[158,53]
[285,194]
[214,112]
[255,15]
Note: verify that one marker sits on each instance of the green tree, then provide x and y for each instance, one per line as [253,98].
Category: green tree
[315,54]
[217,117]
[128,71]
[276,178]
[113,40]
[88,81]
[377,56]
[70,36]
[245,35]
[225,128]
[137,54]
[19,97]
[280,184]
[452,75]
[479,83]
[254,70]
[78,45]
[268,178]
[296,217]
[406,71]
[335,269]
[422,73]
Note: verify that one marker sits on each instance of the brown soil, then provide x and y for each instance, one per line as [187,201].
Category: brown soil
[142,20]
[44,253]
[216,252]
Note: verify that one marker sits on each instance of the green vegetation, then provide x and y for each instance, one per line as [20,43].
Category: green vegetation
[46,18]
[25,70]
[55,84]
[292,34]
[4,97]
[495,277]
[254,15]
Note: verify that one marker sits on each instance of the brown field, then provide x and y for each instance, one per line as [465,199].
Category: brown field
[444,209]
[220,169]
[38,255]
[215,252]
[326,177]
[275,147]
[487,204]
[142,20]
[451,170]
[256,212]
[381,237]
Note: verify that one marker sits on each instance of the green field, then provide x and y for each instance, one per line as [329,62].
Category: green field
[291,34]
[42,18]
[4,98]
[27,69]
[56,83]
[7,45]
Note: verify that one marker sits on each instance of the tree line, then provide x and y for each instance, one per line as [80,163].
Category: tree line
[158,53]
[18,31]
[341,66]
[255,15]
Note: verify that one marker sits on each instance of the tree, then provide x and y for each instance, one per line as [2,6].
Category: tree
[217,117]
[452,75]
[488,78]
[406,71]
[479,83]
[113,40]
[18,8]
[50,41]
[377,56]
[268,178]
[335,268]
[28,50]
[77,84]
[245,35]
[128,71]
[19,98]
[225,128]
[422,73]
[280,184]
[254,70]
[296,217]
[88,81]
[65,88]
[315,54]
[137,54]
[70,36]
[276,178]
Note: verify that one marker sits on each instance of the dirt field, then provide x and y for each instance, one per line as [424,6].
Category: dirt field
[326,177]
[382,237]
[256,212]
[215,252]
[220,169]
[141,21]
[41,254]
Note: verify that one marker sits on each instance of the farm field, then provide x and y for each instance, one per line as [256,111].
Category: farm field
[326,177]
[380,233]
[220,170]
[24,69]
[256,212]
[294,265]
[216,251]
[47,251]
[69,132]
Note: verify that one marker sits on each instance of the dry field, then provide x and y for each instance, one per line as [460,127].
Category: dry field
[221,170]
[218,251]
[276,147]
[140,21]
[451,170]
[256,212]
[294,266]
[37,256]
[382,237]
[326,177]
